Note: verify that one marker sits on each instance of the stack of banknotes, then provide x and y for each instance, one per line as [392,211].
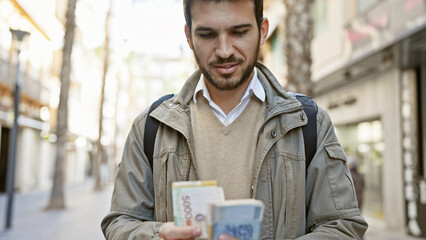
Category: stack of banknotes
[202,204]
[239,218]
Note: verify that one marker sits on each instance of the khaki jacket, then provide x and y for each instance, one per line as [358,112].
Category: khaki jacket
[320,206]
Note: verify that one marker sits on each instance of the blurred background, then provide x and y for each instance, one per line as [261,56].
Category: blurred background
[81,71]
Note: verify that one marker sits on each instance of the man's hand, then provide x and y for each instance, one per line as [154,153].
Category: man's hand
[227,237]
[169,231]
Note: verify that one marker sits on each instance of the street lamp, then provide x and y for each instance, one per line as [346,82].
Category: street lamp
[17,37]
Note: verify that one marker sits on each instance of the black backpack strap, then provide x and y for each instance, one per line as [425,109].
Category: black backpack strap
[310,129]
[151,127]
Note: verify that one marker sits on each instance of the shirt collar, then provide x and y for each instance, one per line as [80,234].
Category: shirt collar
[254,88]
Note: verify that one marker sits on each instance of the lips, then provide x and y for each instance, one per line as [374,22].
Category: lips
[226,69]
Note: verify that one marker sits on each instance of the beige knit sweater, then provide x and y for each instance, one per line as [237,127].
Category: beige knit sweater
[226,153]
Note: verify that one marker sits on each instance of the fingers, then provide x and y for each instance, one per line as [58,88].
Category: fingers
[169,231]
[226,237]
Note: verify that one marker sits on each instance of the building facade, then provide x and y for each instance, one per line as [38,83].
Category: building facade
[34,148]
[371,77]
[40,60]
[369,72]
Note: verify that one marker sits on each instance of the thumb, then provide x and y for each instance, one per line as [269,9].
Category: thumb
[227,237]
[170,231]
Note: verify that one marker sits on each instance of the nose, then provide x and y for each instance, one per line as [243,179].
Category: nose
[224,48]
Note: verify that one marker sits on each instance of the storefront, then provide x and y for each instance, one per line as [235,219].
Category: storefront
[377,102]
[363,143]
[412,64]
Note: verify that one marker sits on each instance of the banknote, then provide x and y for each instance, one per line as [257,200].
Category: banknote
[239,218]
[191,204]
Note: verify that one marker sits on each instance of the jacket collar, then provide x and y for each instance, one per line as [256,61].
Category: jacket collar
[278,101]
[275,94]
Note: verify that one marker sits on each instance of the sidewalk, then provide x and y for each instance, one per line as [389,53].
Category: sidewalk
[376,234]
[80,220]
[376,231]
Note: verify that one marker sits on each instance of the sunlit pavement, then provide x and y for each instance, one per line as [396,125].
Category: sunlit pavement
[383,235]
[82,217]
[374,233]
[80,220]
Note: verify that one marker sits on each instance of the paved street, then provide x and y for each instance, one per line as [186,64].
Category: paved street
[81,220]
[376,233]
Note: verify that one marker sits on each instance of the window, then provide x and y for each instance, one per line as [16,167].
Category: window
[364,5]
[319,11]
[363,143]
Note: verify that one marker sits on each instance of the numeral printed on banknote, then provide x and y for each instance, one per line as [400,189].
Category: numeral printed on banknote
[191,201]
[239,218]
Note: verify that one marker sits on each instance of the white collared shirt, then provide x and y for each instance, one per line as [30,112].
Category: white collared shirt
[255,87]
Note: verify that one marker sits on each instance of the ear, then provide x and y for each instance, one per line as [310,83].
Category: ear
[188,36]
[264,28]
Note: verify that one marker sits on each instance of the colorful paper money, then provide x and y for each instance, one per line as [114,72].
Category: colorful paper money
[239,218]
[191,204]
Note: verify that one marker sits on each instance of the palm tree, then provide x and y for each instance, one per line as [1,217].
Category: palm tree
[57,199]
[299,33]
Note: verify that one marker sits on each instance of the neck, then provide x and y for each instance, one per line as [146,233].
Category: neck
[229,99]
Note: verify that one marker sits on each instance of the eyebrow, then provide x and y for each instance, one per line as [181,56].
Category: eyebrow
[241,26]
[201,28]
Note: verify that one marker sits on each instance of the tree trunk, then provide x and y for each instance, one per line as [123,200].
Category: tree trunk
[298,33]
[100,156]
[57,199]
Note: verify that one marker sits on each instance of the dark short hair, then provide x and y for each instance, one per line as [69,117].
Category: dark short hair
[258,10]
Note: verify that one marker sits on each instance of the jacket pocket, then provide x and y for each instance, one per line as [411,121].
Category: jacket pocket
[161,188]
[341,184]
[171,168]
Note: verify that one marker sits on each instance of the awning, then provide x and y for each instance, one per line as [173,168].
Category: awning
[42,17]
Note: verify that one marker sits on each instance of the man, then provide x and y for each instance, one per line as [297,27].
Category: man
[233,122]
[357,178]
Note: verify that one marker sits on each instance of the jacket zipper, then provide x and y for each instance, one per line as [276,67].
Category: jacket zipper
[262,158]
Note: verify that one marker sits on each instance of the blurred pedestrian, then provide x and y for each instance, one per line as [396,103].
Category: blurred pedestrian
[232,121]
[358,178]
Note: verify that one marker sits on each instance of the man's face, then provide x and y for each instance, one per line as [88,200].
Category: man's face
[225,40]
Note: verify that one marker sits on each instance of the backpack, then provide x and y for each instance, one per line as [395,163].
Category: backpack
[309,130]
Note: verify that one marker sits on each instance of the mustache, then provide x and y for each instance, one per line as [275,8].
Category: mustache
[220,60]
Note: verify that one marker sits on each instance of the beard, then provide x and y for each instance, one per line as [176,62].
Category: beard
[226,82]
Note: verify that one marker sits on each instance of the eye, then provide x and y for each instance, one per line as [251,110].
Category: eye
[206,35]
[240,33]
